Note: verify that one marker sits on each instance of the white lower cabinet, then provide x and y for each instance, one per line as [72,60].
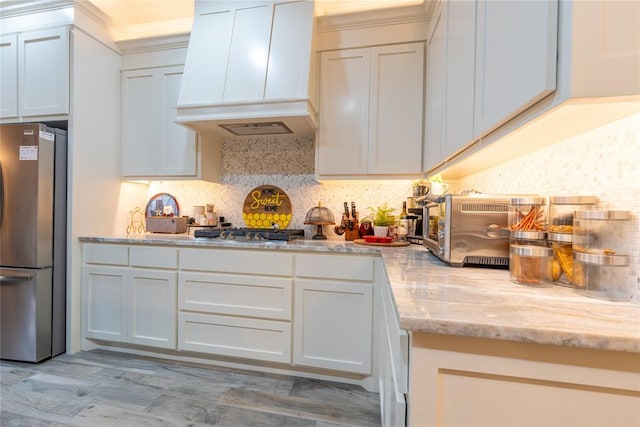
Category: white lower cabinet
[124,304]
[332,325]
[230,306]
[249,338]
[308,310]
[104,303]
[470,381]
[333,316]
[151,308]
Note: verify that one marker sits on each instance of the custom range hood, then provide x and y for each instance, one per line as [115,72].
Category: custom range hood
[248,69]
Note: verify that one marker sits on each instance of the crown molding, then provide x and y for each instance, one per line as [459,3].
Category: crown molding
[153,44]
[13,8]
[379,17]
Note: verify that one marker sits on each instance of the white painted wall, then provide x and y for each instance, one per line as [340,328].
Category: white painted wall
[98,202]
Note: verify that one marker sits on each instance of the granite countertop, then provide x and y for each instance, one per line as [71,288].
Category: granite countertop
[433,297]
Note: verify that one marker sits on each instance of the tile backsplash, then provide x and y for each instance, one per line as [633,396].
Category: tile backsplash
[288,163]
[604,162]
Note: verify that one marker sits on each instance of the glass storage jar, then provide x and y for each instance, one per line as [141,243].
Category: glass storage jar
[562,208]
[531,265]
[602,276]
[534,238]
[527,213]
[561,243]
[602,232]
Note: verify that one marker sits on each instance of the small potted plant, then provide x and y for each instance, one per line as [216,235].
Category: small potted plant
[382,218]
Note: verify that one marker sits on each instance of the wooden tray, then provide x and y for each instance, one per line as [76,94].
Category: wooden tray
[392,244]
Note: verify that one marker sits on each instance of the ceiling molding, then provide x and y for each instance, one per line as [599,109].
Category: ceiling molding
[365,19]
[153,44]
[12,8]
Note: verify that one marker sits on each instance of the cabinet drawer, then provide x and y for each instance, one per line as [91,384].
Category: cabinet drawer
[240,261]
[268,340]
[105,254]
[340,267]
[266,297]
[154,257]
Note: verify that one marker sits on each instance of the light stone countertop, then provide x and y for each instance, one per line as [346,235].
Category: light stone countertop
[433,297]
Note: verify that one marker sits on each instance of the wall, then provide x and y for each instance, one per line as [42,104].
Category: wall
[604,162]
[288,163]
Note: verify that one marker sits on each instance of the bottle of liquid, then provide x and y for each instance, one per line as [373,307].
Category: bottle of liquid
[403,226]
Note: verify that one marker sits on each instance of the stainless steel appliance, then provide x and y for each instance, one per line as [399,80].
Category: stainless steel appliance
[32,241]
[251,234]
[468,229]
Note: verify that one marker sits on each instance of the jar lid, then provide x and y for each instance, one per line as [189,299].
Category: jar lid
[573,200]
[600,259]
[533,251]
[561,237]
[528,235]
[527,200]
[603,215]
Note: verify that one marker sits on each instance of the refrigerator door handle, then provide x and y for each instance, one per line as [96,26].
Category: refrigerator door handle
[15,277]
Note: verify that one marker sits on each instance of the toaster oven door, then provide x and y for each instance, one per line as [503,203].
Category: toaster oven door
[434,234]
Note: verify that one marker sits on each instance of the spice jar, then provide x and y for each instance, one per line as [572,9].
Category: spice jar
[561,243]
[601,232]
[527,213]
[533,238]
[561,211]
[531,265]
[602,276]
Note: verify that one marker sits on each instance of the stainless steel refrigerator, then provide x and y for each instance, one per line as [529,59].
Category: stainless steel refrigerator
[33,170]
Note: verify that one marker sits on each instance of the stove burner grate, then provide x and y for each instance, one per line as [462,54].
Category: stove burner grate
[254,234]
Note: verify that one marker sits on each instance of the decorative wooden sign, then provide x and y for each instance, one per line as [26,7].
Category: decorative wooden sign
[265,206]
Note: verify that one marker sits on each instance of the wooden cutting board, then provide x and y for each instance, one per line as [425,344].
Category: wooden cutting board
[266,205]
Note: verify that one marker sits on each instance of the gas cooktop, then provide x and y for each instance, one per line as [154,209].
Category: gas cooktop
[251,234]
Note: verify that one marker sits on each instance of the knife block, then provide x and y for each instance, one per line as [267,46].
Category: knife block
[351,228]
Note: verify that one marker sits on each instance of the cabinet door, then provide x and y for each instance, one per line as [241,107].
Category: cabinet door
[9,76]
[104,303]
[43,72]
[138,123]
[247,70]
[178,150]
[207,56]
[458,116]
[333,325]
[152,302]
[153,144]
[290,51]
[395,111]
[436,81]
[344,109]
[515,58]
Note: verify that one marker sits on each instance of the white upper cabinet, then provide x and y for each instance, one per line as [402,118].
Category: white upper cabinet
[36,83]
[436,79]
[343,131]
[9,76]
[371,111]
[459,117]
[516,48]
[153,144]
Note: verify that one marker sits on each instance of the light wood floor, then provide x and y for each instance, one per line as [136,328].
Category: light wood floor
[102,388]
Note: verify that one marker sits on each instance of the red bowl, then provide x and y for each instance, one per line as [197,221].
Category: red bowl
[385,239]
[370,239]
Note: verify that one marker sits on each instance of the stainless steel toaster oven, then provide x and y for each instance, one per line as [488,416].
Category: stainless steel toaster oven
[468,229]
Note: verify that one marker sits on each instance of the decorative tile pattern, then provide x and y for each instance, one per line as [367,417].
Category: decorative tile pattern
[604,162]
